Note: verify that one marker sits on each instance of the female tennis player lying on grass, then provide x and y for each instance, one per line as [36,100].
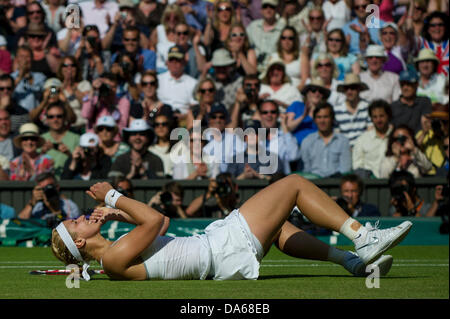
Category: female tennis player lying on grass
[231,248]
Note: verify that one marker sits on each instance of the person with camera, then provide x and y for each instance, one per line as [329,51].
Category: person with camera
[403,153]
[247,99]
[405,201]
[169,201]
[351,189]
[104,101]
[48,203]
[218,201]
[87,161]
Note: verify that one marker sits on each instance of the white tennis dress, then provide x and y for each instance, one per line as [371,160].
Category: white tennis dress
[227,251]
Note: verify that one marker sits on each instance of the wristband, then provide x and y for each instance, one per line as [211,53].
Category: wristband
[111,198]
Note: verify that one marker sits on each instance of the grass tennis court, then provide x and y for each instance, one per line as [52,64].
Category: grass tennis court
[418,272]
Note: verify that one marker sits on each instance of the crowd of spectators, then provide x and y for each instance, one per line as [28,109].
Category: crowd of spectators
[95,89]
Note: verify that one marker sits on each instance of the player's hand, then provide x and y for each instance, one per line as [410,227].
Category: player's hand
[103,214]
[98,191]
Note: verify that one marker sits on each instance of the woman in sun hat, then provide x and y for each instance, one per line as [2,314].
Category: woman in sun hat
[30,163]
[106,129]
[431,84]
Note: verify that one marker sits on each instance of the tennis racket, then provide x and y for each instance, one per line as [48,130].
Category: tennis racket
[62,272]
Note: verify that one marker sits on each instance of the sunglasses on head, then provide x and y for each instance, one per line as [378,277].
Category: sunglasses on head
[58,116]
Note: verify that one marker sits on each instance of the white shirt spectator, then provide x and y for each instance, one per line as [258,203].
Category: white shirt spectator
[287,94]
[177,93]
[339,12]
[386,86]
[98,15]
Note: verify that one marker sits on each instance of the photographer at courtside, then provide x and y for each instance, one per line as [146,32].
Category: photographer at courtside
[48,203]
[169,201]
[220,199]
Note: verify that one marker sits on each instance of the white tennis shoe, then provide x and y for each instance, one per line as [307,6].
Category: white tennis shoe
[375,242]
[356,266]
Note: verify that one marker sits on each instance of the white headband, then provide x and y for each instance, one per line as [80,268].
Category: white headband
[70,244]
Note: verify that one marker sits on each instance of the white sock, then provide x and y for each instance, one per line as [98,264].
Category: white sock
[336,255]
[349,232]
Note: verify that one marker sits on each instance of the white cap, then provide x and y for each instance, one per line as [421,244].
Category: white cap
[138,125]
[106,120]
[88,140]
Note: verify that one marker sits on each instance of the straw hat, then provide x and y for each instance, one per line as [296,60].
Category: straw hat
[376,51]
[352,79]
[34,28]
[222,57]
[426,55]
[28,129]
[316,83]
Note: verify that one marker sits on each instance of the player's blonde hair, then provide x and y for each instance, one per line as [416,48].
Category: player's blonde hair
[61,252]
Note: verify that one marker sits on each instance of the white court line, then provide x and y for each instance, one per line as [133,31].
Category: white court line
[302,261]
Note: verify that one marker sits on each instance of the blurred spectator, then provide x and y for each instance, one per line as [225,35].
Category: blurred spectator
[190,163]
[431,137]
[219,24]
[99,13]
[74,89]
[280,144]
[148,15]
[370,147]
[52,94]
[7,212]
[104,101]
[439,207]
[357,33]
[163,126]
[276,85]
[315,27]
[414,18]
[351,189]
[175,87]
[223,144]
[123,186]
[87,161]
[106,129]
[59,141]
[352,117]
[30,162]
[239,46]
[5,57]
[93,60]
[145,58]
[163,36]
[382,84]
[195,52]
[337,47]
[431,84]
[13,17]
[443,170]
[405,201]
[264,33]
[169,201]
[323,67]
[226,78]
[4,169]
[389,39]
[18,115]
[248,164]
[48,203]
[294,12]
[300,114]
[205,94]
[138,163]
[338,12]
[28,84]
[126,71]
[403,153]
[410,109]
[295,58]
[218,201]
[148,105]
[7,147]
[247,100]
[54,14]
[325,153]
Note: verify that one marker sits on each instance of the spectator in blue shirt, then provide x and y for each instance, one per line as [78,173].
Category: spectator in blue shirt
[360,26]
[325,153]
[7,212]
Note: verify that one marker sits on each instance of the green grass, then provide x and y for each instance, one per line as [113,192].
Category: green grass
[419,272]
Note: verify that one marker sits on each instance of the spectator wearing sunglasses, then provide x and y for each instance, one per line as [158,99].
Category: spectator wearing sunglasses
[138,163]
[219,22]
[87,161]
[31,162]
[239,46]
[17,113]
[205,94]
[106,129]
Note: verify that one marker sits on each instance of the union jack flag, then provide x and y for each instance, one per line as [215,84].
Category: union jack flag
[441,51]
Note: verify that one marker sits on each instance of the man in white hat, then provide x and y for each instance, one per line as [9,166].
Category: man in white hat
[175,87]
[382,84]
[352,116]
[138,163]
[263,33]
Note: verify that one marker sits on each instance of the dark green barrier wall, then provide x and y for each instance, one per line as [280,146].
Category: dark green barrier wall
[376,192]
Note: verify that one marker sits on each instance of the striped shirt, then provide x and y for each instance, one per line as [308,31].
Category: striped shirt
[352,125]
